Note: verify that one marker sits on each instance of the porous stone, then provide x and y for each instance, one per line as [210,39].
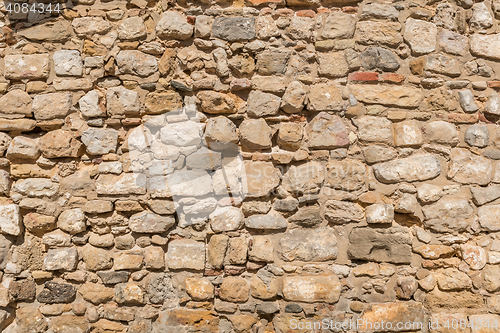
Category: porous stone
[234,289]
[410,169]
[54,292]
[234,28]
[421,35]
[59,143]
[380,213]
[173,24]
[389,95]
[186,254]
[61,259]
[68,63]
[32,66]
[377,32]
[309,245]
[449,215]
[10,219]
[121,101]
[15,104]
[52,106]
[136,63]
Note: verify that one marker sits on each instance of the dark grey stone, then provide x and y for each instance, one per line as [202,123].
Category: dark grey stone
[57,293]
[379,58]
[113,277]
[293,308]
[267,308]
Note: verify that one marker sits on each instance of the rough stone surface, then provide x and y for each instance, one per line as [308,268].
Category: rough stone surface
[410,169]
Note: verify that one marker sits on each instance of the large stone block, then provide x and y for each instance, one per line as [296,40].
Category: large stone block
[121,101]
[33,66]
[309,245]
[393,314]
[126,183]
[52,106]
[10,220]
[61,259]
[449,215]
[100,141]
[410,169]
[381,245]
[173,25]
[326,131]
[421,35]
[261,178]
[186,254]
[310,289]
[136,63]
[234,28]
[148,222]
[389,95]
[68,63]
[15,104]
[468,168]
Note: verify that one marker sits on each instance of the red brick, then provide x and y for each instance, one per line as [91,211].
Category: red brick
[306,13]
[459,118]
[363,76]
[392,78]
[260,2]
[323,10]
[191,19]
[494,84]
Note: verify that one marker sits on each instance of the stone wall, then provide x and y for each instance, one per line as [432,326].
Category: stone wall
[205,166]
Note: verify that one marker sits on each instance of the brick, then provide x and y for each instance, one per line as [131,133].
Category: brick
[363,77]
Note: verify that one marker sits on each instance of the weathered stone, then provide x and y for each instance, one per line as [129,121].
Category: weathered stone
[88,26]
[126,183]
[338,25]
[186,254]
[37,223]
[374,129]
[216,103]
[68,63]
[272,61]
[61,259]
[308,216]
[199,289]
[407,134]
[477,136]
[52,106]
[290,136]
[266,27]
[100,141]
[467,168]
[107,277]
[410,169]
[380,213]
[57,293]
[441,132]
[234,28]
[303,179]
[379,58]
[72,221]
[467,101]
[493,104]
[255,134]
[36,187]
[30,320]
[135,63]
[332,64]
[325,97]
[216,251]
[130,260]
[148,222]
[121,101]
[129,293]
[452,43]
[310,289]
[474,256]
[10,220]
[131,28]
[421,35]
[56,31]
[488,217]
[434,251]
[392,314]
[161,102]
[22,290]
[178,319]
[33,66]
[15,104]
[234,289]
[327,132]
[220,132]
[378,153]
[341,212]
[262,104]
[91,105]
[449,215]
[454,280]
[482,195]
[301,28]
[226,219]
[261,249]
[59,143]
[96,259]
[380,245]
[485,45]
[442,64]
[267,222]
[173,25]
[390,95]
[378,32]
[309,245]
[262,178]
[70,323]
[187,183]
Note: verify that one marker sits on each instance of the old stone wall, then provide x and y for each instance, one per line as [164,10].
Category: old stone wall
[209,166]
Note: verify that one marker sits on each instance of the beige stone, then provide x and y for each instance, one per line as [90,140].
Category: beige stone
[310,289]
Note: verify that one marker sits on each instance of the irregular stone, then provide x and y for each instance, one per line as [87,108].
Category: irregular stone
[380,213]
[173,25]
[378,153]
[410,169]
[220,132]
[325,97]
[493,104]
[374,129]
[107,277]
[262,178]
[234,289]
[52,106]
[37,223]
[59,143]
[421,36]
[234,28]
[474,256]
[482,195]
[449,215]
[33,66]
[68,63]
[186,254]
[379,58]
[226,219]
[56,31]
[36,187]
[100,141]
[261,249]
[441,132]
[290,136]
[10,220]
[266,27]
[129,293]
[376,32]
[190,183]
[481,17]
[96,259]
[467,168]
[327,132]
[407,134]
[135,63]
[148,222]
[30,320]
[126,183]
[266,222]
[442,64]
[304,179]
[341,212]
[451,279]
[255,134]
[69,323]
[488,217]
[434,251]
[15,104]
[121,101]
[389,95]
[57,293]
[467,101]
[332,64]
[338,25]
[485,45]
[379,11]
[216,103]
[131,28]
[216,251]
[182,134]
[490,278]
[92,105]
[199,289]
[477,136]
[90,25]
[261,104]
[380,245]
[309,245]
[308,216]
[452,43]
[72,221]
[22,290]
[310,289]
[178,319]
[61,259]
[272,61]
[130,260]
[394,313]
[453,300]
[161,102]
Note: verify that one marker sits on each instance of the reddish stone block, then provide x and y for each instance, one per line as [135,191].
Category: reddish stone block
[306,13]
[191,19]
[494,84]
[350,9]
[363,76]
[285,12]
[459,118]
[392,78]
[323,10]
